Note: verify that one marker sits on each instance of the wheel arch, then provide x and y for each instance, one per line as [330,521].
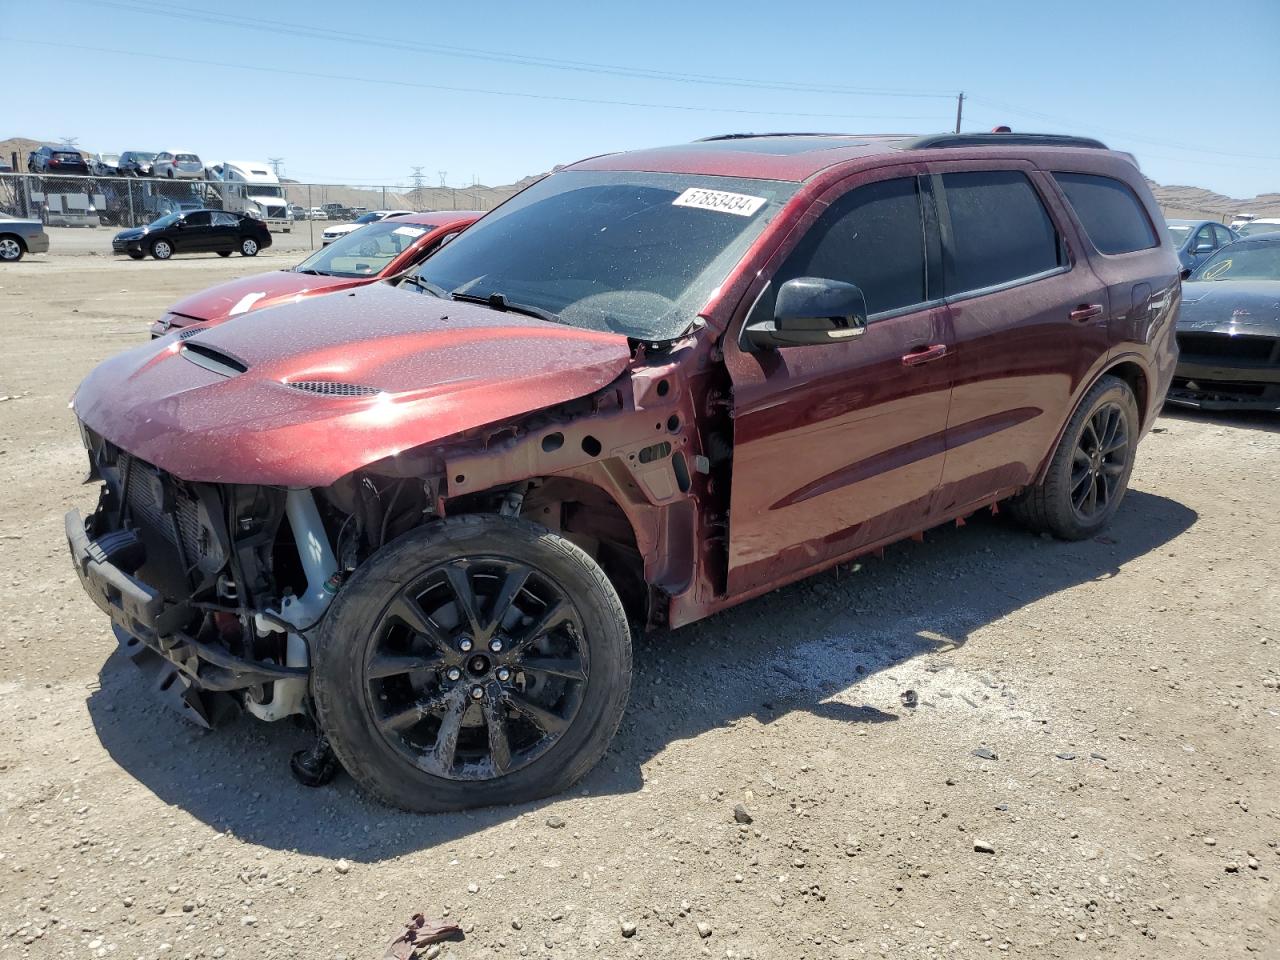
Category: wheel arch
[16,236]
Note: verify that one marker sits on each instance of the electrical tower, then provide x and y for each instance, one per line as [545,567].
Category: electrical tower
[276,164]
[417,187]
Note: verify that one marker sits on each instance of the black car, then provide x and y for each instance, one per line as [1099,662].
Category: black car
[1229,330]
[200,231]
[136,163]
[57,160]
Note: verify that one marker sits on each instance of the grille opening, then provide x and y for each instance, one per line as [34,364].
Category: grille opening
[334,388]
[1239,347]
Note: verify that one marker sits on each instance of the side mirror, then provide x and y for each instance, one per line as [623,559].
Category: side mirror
[1185,273]
[809,311]
[1202,247]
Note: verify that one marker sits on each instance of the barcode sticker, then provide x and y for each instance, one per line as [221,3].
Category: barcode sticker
[410,231]
[740,204]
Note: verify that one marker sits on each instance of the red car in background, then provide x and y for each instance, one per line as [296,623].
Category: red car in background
[376,251]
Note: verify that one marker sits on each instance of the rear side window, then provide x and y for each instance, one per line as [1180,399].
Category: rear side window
[1110,212]
[872,236]
[1000,230]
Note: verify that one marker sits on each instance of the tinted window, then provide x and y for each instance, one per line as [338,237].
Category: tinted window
[872,236]
[198,219]
[1000,230]
[1112,216]
[1204,238]
[225,220]
[1223,234]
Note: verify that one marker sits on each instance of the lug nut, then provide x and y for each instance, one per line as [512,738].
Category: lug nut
[454,674]
[495,645]
[477,692]
[504,674]
[465,644]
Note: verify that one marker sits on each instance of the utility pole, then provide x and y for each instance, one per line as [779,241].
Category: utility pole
[70,141]
[443,174]
[959,110]
[276,164]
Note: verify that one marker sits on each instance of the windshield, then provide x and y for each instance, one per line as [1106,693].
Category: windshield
[1243,260]
[368,218]
[1255,228]
[365,252]
[1179,233]
[633,253]
[168,220]
[143,156]
[263,191]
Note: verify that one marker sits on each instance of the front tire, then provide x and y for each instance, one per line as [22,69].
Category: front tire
[1089,473]
[249,247]
[162,250]
[11,250]
[474,661]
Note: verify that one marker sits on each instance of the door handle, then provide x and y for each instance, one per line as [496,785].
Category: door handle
[924,355]
[1086,311]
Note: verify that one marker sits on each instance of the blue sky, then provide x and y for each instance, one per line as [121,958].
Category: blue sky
[357,92]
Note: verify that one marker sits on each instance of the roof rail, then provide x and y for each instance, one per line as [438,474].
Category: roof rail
[752,136]
[940,140]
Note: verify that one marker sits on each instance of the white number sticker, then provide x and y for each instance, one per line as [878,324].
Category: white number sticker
[410,231]
[741,204]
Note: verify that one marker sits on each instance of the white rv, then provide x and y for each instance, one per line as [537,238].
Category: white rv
[248,186]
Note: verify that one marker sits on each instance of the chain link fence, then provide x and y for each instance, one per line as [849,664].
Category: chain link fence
[63,200]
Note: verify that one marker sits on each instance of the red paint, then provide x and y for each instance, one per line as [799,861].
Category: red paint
[285,286]
[825,453]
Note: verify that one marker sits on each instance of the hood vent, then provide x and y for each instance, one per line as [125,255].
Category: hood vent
[189,332]
[334,388]
[213,360]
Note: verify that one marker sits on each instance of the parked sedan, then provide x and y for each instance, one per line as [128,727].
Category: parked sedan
[1197,240]
[373,216]
[380,251]
[136,163]
[56,160]
[104,164]
[177,165]
[1259,225]
[20,236]
[202,231]
[1229,330]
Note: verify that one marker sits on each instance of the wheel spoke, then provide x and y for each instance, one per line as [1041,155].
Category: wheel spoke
[1091,499]
[464,595]
[455,707]
[408,612]
[554,666]
[406,717]
[1080,458]
[556,613]
[512,584]
[384,665]
[1078,479]
[550,723]
[495,719]
[1113,469]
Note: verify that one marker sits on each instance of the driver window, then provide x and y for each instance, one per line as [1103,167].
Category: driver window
[873,236]
[198,219]
[1204,237]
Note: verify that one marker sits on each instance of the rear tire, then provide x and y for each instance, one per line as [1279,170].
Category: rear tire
[1089,473]
[224,253]
[249,247]
[11,249]
[426,712]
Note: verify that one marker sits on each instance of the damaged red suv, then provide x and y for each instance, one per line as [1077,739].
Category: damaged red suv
[648,387]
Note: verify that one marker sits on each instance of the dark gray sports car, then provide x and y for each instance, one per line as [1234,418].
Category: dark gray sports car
[1229,330]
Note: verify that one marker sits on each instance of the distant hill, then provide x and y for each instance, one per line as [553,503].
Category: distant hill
[1175,201]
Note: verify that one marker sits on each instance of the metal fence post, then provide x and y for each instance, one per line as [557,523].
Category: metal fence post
[133,220]
[311,221]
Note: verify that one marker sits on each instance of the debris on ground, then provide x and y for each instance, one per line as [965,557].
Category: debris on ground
[981,846]
[986,753]
[420,932]
[742,815]
[909,698]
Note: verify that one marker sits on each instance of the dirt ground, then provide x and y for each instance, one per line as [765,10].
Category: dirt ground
[1128,688]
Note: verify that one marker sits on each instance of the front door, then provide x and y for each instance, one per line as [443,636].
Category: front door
[196,234]
[841,445]
[1030,321]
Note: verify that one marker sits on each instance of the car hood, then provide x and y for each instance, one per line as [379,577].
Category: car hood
[18,222]
[344,228]
[1231,306]
[235,297]
[438,368]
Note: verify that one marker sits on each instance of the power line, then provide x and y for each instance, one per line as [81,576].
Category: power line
[312,75]
[497,56]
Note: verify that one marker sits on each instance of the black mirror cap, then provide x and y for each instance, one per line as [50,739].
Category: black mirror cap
[810,311]
[1185,273]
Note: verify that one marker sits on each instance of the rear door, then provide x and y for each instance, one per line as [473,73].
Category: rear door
[226,231]
[1030,322]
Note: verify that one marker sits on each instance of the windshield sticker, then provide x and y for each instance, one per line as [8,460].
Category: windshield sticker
[409,231]
[740,204]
